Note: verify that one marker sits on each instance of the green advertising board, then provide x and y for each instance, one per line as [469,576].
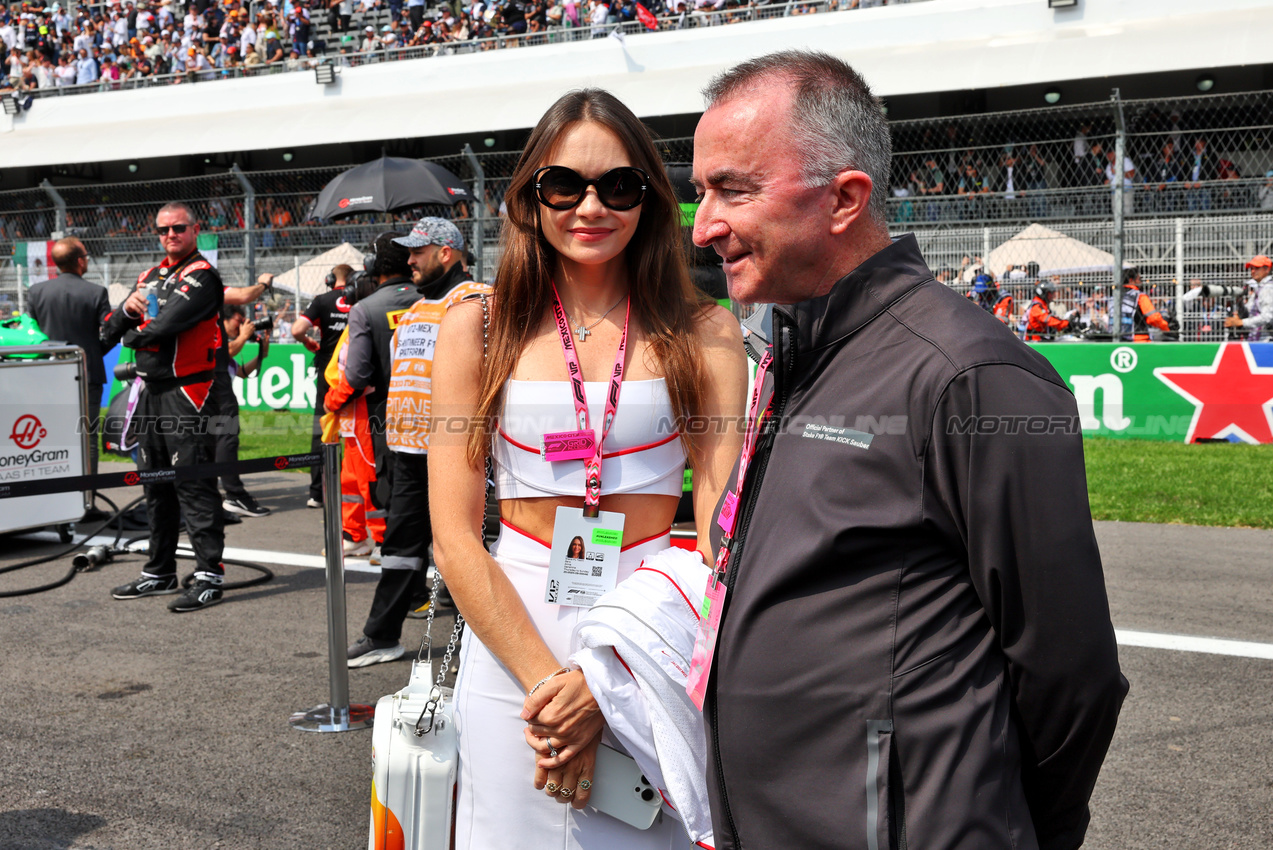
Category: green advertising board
[1151,391]
[1179,392]
[285,380]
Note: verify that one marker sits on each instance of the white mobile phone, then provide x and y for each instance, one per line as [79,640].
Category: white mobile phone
[620,791]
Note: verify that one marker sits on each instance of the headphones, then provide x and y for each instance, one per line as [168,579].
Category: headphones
[330,280]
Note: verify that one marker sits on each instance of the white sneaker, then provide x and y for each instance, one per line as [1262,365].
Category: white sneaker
[350,549]
[374,557]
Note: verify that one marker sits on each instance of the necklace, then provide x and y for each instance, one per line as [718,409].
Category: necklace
[582,331]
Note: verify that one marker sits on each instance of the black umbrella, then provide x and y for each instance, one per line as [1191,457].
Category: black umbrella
[388,184]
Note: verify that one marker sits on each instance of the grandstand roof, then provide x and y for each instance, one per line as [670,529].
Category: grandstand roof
[944,45]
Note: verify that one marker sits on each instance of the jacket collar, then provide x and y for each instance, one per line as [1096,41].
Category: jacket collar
[859,296]
[437,288]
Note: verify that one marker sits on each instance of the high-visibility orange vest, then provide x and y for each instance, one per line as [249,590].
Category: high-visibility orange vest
[411,380]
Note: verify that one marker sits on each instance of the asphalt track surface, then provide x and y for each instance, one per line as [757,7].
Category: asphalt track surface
[125,727]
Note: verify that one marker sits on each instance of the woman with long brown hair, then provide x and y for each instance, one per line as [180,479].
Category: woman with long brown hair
[601,372]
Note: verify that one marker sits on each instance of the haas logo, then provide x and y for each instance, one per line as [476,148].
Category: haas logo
[131,479]
[280,463]
[28,431]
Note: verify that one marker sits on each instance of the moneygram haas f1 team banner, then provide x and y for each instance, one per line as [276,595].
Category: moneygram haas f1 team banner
[1153,391]
[1180,392]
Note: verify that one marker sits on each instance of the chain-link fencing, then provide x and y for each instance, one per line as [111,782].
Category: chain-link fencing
[1017,198]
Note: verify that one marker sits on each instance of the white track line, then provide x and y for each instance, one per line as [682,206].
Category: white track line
[1125,637]
[261,556]
[1189,643]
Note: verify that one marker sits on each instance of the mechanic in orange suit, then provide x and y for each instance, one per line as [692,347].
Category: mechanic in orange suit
[1138,311]
[1039,321]
[362,524]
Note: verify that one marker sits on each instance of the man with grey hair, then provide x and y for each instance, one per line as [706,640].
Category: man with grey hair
[897,660]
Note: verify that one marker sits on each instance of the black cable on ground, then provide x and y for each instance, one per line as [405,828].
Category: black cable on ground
[231,585]
[117,518]
[61,553]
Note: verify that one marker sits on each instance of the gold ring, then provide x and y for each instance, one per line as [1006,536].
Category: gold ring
[585,784]
[552,787]
[566,792]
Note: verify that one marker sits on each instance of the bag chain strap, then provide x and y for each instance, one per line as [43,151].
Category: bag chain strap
[425,653]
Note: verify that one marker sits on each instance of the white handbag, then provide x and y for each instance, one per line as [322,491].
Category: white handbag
[414,747]
[416,756]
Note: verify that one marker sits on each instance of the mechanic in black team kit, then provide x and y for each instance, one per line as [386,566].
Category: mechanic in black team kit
[329,313]
[171,321]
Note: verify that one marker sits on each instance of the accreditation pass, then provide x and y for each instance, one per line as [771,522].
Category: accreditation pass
[584,561]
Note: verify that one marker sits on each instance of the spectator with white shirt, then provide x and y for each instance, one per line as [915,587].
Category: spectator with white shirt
[86,69]
[1129,178]
[64,74]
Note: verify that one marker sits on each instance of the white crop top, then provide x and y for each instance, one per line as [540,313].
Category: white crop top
[642,454]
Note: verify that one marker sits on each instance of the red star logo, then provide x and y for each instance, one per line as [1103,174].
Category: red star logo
[1232,396]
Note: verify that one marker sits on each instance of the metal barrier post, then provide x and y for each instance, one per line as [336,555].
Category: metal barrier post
[479,212]
[59,224]
[1180,267]
[1117,178]
[249,226]
[337,715]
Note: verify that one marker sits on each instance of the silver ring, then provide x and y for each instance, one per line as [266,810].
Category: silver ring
[552,751]
[585,784]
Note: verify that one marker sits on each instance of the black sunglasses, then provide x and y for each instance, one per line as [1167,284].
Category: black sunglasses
[561,188]
[175,228]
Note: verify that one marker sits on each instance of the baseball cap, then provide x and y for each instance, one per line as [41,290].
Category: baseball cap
[369,29]
[432,230]
[1256,262]
[1268,173]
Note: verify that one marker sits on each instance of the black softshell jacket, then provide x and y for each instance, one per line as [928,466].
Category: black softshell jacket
[916,647]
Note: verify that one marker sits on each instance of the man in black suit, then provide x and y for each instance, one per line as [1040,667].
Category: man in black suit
[70,308]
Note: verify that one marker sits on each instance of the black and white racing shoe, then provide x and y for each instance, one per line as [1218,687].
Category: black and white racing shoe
[245,505]
[202,594]
[147,586]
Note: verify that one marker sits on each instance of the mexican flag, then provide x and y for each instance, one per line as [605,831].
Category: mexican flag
[207,246]
[36,258]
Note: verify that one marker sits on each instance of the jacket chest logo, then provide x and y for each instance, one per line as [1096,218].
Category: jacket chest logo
[843,436]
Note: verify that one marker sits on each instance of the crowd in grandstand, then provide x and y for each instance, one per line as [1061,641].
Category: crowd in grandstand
[107,45]
[963,175]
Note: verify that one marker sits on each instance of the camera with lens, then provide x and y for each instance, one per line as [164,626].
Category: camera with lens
[126,371]
[264,328]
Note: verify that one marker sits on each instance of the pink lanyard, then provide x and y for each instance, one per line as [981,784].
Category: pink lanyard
[592,468]
[729,511]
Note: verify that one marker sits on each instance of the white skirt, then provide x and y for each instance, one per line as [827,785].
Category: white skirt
[498,807]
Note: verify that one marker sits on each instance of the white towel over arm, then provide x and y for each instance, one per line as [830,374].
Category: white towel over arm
[634,647]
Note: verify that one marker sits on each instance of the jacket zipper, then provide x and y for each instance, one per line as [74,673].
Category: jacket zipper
[782,389]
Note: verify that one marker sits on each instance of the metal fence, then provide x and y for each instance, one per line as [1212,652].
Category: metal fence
[1190,156]
[1041,228]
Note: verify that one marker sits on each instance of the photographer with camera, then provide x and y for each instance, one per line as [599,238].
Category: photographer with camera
[1257,314]
[329,313]
[237,499]
[171,321]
